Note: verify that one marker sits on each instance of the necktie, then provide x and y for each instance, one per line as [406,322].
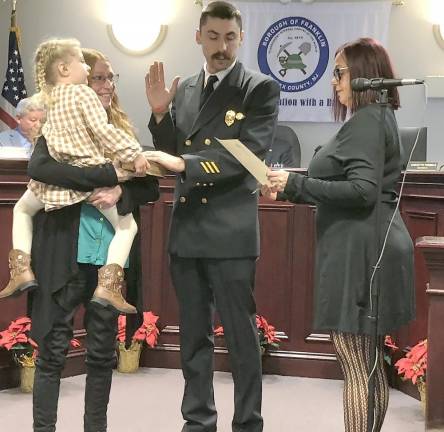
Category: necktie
[209,88]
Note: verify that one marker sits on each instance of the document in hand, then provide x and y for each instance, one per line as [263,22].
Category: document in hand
[248,159]
[155,169]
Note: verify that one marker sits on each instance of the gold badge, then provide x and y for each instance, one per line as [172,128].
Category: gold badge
[230,116]
[240,116]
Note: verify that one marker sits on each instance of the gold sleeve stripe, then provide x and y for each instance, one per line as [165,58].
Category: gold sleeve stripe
[215,167]
[208,165]
[205,167]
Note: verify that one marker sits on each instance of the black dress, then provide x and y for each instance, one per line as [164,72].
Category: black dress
[55,236]
[343,183]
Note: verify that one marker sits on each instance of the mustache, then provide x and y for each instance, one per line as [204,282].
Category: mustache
[220,56]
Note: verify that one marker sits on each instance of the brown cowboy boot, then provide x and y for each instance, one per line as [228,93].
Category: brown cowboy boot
[109,289]
[22,277]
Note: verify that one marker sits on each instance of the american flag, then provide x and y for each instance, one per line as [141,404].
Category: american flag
[13,89]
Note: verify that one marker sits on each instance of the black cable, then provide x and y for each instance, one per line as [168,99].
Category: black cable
[374,288]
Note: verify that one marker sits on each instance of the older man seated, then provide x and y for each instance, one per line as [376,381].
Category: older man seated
[30,113]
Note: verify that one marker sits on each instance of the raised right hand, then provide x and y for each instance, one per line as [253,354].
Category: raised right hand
[159,97]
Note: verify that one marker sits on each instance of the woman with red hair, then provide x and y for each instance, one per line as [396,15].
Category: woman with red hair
[343,181]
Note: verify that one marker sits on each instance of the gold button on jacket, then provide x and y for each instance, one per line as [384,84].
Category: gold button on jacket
[204,200]
[182,199]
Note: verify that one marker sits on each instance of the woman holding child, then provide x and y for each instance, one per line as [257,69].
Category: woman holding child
[69,246]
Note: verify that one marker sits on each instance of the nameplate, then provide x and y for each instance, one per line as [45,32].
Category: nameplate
[422,166]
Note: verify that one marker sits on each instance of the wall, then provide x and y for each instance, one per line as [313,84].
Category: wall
[411,44]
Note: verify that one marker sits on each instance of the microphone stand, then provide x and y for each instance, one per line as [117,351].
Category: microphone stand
[382,101]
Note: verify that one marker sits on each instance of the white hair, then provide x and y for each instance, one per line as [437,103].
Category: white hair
[27,105]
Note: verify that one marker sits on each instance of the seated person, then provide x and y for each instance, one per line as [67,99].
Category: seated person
[285,150]
[30,113]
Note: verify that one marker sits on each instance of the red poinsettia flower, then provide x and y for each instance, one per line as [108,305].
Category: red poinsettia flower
[33,343]
[20,325]
[219,331]
[9,339]
[75,343]
[414,365]
[268,330]
[388,342]
[121,328]
[16,333]
[16,338]
[148,331]
[419,352]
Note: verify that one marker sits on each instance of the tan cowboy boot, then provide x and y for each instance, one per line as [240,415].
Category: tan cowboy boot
[22,277]
[109,289]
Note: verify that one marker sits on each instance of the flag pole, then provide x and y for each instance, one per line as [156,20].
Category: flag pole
[14,26]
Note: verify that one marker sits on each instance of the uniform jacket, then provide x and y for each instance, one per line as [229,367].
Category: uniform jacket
[215,206]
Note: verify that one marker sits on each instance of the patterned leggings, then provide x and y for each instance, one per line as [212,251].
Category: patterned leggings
[353,352]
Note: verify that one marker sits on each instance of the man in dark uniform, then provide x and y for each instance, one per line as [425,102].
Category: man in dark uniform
[214,235]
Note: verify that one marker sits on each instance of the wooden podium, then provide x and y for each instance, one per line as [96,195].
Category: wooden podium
[433,250]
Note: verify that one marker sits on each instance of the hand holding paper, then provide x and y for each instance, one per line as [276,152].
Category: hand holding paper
[155,167]
[278,180]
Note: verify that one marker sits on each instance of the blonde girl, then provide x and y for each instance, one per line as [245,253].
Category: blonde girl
[77,132]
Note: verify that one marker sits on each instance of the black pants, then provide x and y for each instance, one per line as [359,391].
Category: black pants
[101,327]
[227,284]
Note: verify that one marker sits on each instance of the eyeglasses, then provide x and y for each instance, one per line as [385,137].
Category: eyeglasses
[113,79]
[338,72]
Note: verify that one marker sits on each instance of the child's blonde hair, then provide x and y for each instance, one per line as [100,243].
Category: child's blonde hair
[46,55]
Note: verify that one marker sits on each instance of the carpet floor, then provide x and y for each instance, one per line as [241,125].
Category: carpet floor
[149,401]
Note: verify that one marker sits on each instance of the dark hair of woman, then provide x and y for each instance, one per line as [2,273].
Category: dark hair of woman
[365,58]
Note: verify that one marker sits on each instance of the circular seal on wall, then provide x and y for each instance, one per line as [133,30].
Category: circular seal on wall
[295,52]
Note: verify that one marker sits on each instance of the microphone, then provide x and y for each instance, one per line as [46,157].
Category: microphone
[362,84]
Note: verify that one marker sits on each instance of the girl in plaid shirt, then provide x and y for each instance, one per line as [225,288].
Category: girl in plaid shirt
[77,132]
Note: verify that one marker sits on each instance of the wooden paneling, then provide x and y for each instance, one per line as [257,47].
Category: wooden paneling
[13,181]
[433,250]
[284,278]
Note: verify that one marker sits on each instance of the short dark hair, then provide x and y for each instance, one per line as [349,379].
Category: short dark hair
[365,58]
[220,9]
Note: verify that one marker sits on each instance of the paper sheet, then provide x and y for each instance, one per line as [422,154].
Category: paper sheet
[248,159]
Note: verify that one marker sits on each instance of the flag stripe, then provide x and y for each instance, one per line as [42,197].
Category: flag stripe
[7,118]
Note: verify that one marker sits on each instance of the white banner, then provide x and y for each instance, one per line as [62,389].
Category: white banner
[295,44]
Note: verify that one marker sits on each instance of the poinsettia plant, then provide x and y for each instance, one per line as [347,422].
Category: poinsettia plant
[148,331]
[16,338]
[389,349]
[265,331]
[414,365]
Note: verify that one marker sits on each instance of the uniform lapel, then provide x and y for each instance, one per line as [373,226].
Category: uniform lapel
[192,98]
[225,91]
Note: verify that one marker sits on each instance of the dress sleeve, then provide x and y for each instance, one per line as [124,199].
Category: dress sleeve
[136,192]
[358,154]
[164,132]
